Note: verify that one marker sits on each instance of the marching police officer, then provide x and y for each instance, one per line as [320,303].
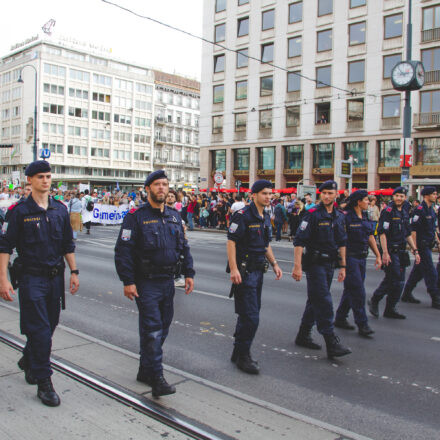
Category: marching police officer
[150,249]
[248,249]
[322,234]
[39,228]
[359,237]
[394,231]
[423,225]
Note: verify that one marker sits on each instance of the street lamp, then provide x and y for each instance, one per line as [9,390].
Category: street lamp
[20,80]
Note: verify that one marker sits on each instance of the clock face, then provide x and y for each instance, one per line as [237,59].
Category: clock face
[420,74]
[402,74]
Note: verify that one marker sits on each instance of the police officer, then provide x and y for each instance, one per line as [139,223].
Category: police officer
[248,249]
[322,234]
[149,251]
[394,231]
[360,236]
[39,228]
[423,225]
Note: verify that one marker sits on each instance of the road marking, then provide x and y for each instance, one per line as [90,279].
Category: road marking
[435,338]
[98,243]
[202,292]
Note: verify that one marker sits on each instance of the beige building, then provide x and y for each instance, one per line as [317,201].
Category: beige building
[321,93]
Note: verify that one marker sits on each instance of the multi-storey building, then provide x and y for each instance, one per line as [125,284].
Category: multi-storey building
[294,86]
[176,136]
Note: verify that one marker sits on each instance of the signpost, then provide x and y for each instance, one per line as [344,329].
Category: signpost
[218,179]
[345,169]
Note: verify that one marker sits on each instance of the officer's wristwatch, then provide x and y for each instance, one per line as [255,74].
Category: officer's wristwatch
[75,271]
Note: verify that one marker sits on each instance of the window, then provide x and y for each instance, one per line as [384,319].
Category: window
[79,75]
[81,131]
[357,3]
[122,119]
[359,151]
[293,116]
[78,93]
[427,151]
[219,160]
[295,12]
[6,95]
[242,2]
[15,130]
[15,111]
[265,119]
[140,105]
[219,34]
[431,60]
[266,85]
[325,7]
[78,112]
[16,93]
[240,121]
[431,18]
[144,88]
[241,159]
[6,132]
[218,93]
[293,157]
[242,26]
[324,40]
[393,26]
[241,90]
[294,47]
[266,158]
[121,84]
[219,63]
[389,61]
[53,88]
[356,71]
[293,82]
[52,69]
[141,122]
[139,138]
[242,58]
[391,106]
[54,148]
[389,153]
[323,76]
[355,110]
[268,19]
[220,5]
[267,53]
[6,114]
[323,155]
[322,113]
[217,124]
[102,80]
[53,128]
[100,116]
[101,97]
[357,33]
[430,101]
[53,108]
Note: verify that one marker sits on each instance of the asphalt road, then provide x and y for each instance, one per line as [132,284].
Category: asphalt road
[389,388]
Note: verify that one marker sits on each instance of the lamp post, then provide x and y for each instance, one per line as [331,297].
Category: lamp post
[20,80]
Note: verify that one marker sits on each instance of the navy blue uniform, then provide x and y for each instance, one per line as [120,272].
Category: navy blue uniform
[424,223]
[41,238]
[252,235]
[394,223]
[147,251]
[359,231]
[321,234]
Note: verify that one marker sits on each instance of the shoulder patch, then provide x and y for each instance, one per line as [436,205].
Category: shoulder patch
[419,207]
[132,210]
[312,210]
[241,211]
[389,209]
[12,206]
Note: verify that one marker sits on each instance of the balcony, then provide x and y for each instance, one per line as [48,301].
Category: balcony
[355,125]
[431,35]
[160,120]
[160,161]
[427,121]
[323,129]
[160,139]
[389,123]
[432,76]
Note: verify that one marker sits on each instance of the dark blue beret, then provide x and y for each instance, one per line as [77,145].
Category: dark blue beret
[38,166]
[428,190]
[329,184]
[159,174]
[400,190]
[260,185]
[357,195]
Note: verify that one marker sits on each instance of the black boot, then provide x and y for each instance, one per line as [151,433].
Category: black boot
[365,330]
[245,362]
[408,297]
[160,387]
[23,364]
[391,312]
[436,302]
[334,347]
[304,339]
[343,323]
[46,393]
[373,307]
[144,377]
[88,231]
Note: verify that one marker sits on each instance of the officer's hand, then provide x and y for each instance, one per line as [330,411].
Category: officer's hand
[6,290]
[341,274]
[131,292]
[74,283]
[417,256]
[378,263]
[278,272]
[189,285]
[235,276]
[297,273]
[386,259]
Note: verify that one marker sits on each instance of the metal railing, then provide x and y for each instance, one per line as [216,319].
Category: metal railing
[431,35]
[421,119]
[432,76]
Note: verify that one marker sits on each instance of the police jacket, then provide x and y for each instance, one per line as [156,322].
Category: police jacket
[358,232]
[424,223]
[322,231]
[150,234]
[394,223]
[41,237]
[250,232]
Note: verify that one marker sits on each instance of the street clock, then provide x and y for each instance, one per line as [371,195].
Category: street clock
[408,75]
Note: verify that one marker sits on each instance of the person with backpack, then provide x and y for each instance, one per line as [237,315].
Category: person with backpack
[75,208]
[88,205]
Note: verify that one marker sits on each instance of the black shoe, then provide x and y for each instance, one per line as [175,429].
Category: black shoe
[373,307]
[88,231]
[304,339]
[160,387]
[393,314]
[343,323]
[245,363]
[23,364]
[47,394]
[334,347]
[436,303]
[408,297]
[143,377]
[365,330]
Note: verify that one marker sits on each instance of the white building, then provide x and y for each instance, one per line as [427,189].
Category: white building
[329,96]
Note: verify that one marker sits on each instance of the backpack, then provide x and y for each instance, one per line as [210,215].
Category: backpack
[90,206]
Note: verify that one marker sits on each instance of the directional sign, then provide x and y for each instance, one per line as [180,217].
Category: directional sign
[45,153]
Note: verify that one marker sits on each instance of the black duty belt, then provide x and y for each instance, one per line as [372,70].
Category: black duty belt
[252,266]
[50,272]
[159,270]
[394,248]
[358,254]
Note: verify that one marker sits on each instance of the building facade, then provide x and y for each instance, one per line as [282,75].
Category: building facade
[295,86]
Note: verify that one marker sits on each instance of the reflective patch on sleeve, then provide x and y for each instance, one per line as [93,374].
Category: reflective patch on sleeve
[386,225]
[303,225]
[415,218]
[126,234]
[233,227]
[4,227]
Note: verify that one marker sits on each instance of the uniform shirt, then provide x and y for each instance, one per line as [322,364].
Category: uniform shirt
[394,224]
[322,231]
[250,232]
[358,231]
[424,223]
[149,234]
[41,237]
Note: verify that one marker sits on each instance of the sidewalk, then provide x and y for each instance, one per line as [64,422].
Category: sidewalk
[85,413]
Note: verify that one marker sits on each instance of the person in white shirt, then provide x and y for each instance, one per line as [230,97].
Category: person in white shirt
[4,194]
[238,204]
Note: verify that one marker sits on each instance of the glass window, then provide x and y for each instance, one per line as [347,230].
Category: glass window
[427,151]
[431,59]
[242,26]
[431,18]
[356,3]
[357,33]
[268,19]
[265,119]
[219,63]
[242,2]
[217,124]
[240,121]
[267,53]
[219,160]
[355,110]
[295,12]
[294,47]
[266,158]
[325,7]
[293,82]
[359,151]
[356,71]
[266,85]
[293,116]
[293,157]
[323,76]
[220,5]
[389,61]
[389,153]
[391,106]
[220,31]
[242,58]
[322,113]
[324,40]
[323,156]
[241,159]
[430,101]
[241,90]
[218,93]
[393,26]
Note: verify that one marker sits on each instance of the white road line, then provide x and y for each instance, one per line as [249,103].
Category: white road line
[202,292]
[435,338]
